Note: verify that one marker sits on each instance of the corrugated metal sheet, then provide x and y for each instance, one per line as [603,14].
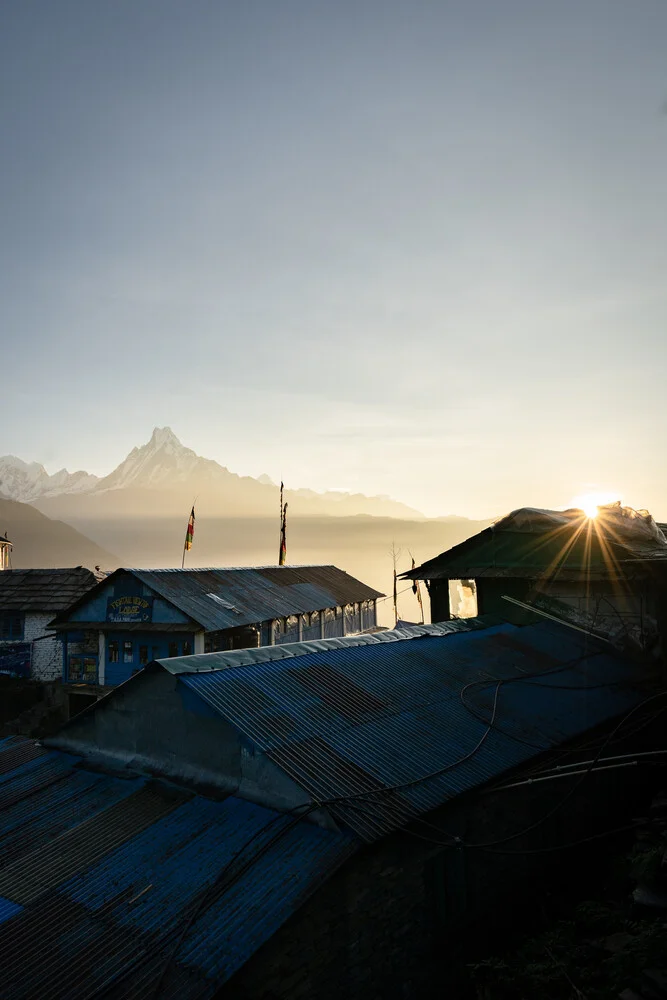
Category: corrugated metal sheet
[202,662]
[226,598]
[255,595]
[414,732]
[180,899]
[576,548]
[44,589]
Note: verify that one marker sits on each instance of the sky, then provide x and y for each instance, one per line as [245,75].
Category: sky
[408,248]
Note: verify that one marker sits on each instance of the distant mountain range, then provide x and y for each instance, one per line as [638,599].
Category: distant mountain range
[166,467]
[136,516]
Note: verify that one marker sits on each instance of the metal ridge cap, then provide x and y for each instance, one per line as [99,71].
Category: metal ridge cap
[290,650]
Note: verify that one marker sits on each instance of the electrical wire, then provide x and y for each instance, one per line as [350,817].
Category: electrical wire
[376,792]
[537,850]
[561,802]
[213,889]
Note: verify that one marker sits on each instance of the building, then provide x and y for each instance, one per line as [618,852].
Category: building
[29,598]
[135,616]
[607,571]
[325,819]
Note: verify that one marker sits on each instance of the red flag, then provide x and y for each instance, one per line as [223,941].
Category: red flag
[189,534]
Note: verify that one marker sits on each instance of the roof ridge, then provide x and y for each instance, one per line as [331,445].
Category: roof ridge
[215,662]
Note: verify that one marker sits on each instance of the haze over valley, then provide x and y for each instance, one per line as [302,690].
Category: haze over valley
[136,516]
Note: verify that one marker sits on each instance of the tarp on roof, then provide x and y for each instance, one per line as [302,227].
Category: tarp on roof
[541,543]
[108,885]
[390,729]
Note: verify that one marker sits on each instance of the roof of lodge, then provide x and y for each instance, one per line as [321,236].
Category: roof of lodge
[231,597]
[178,892]
[382,728]
[545,543]
[44,589]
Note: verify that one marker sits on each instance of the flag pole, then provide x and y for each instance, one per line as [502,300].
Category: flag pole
[394,555]
[416,590]
[282,551]
[189,533]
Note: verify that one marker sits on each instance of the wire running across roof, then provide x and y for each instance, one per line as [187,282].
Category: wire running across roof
[110,886]
[385,731]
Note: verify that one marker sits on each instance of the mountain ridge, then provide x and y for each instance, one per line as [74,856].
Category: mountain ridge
[165,464]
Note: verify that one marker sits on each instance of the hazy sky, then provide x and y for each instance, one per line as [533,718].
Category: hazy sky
[415,248]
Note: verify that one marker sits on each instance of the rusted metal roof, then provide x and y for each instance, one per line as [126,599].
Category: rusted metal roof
[117,886]
[387,730]
[44,589]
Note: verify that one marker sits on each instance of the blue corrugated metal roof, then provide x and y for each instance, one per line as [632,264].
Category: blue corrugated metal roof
[359,719]
[228,598]
[188,899]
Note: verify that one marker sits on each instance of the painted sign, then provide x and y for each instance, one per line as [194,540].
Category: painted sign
[130,609]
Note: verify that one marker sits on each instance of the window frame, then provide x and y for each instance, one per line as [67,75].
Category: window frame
[14,621]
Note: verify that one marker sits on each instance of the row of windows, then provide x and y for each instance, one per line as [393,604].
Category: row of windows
[124,651]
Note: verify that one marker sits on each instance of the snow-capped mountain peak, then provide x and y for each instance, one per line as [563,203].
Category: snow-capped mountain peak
[25,481]
[162,461]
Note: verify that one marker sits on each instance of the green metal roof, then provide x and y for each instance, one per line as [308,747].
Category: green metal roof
[566,548]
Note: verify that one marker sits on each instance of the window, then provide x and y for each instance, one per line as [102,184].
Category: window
[143,655]
[128,651]
[82,669]
[11,625]
[155,652]
[173,649]
[75,668]
[113,652]
[463,599]
[187,648]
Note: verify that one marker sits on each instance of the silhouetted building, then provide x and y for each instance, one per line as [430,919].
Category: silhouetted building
[608,572]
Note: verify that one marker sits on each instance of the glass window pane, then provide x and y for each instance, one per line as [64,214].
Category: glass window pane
[90,668]
[143,655]
[75,672]
[128,651]
[113,652]
[173,649]
[187,649]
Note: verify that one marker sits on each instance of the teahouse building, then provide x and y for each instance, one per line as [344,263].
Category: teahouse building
[135,616]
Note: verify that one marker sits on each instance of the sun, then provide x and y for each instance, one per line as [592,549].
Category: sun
[590,502]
